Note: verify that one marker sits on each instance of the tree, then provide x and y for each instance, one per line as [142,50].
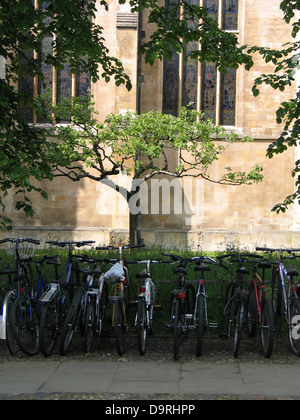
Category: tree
[76,41]
[138,145]
[286,66]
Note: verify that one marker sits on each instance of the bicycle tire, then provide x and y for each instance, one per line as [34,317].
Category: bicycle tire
[71,322]
[267,328]
[230,305]
[190,300]
[239,322]
[1,299]
[177,332]
[48,328]
[276,293]
[89,325]
[25,325]
[142,328]
[200,324]
[252,312]
[119,326]
[294,340]
[11,341]
[68,330]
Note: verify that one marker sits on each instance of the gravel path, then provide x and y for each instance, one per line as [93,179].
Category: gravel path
[160,348]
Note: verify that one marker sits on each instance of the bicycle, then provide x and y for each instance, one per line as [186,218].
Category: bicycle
[58,296]
[260,309]
[144,320]
[22,250]
[119,275]
[200,318]
[95,303]
[75,320]
[26,310]
[235,311]
[183,300]
[282,279]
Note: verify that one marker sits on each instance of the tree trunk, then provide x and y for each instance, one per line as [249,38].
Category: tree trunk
[132,223]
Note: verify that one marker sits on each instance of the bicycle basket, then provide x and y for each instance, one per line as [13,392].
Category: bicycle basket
[115,273]
[26,250]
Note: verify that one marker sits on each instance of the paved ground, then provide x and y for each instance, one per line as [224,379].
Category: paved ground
[102,375]
[138,379]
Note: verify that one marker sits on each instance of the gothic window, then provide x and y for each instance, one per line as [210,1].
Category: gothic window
[187,81]
[59,83]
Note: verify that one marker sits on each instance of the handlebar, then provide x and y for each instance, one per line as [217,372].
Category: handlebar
[20,240]
[281,251]
[149,262]
[63,244]
[111,247]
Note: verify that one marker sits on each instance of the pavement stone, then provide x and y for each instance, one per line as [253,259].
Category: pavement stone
[103,375]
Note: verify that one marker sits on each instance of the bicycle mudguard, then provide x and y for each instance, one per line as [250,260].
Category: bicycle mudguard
[50,293]
[3,318]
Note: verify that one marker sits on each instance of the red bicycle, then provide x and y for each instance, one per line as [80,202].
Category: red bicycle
[260,310]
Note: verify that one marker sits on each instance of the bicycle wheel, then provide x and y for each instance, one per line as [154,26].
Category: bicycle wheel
[49,328]
[73,320]
[25,325]
[252,312]
[267,328]
[294,335]
[200,324]
[276,293]
[89,325]
[68,331]
[229,310]
[1,299]
[119,326]
[11,341]
[239,323]
[177,333]
[141,328]
[190,300]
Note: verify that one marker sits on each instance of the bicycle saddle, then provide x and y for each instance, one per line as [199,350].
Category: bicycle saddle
[179,270]
[264,264]
[8,270]
[292,272]
[143,275]
[202,268]
[54,261]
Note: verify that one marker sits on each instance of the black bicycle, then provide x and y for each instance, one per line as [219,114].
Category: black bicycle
[237,295]
[20,320]
[183,299]
[58,296]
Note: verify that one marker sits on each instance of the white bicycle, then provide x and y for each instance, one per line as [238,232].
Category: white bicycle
[144,321]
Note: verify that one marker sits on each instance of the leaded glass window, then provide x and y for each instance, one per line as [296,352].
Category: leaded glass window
[201,84]
[58,84]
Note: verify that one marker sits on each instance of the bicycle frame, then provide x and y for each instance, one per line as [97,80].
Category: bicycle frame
[97,294]
[259,293]
[201,289]
[284,274]
[291,290]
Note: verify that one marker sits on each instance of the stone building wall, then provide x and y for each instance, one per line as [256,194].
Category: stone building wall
[214,217]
